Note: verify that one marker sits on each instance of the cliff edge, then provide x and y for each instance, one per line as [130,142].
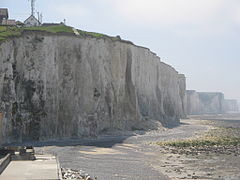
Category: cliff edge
[65,86]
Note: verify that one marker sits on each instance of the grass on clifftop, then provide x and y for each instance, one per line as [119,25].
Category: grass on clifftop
[51,29]
[13,31]
[97,35]
[6,32]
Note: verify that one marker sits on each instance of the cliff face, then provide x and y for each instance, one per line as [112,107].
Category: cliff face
[231,105]
[183,94]
[204,103]
[62,86]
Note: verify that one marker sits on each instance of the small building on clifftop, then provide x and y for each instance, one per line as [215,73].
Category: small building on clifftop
[3,14]
[4,18]
[31,21]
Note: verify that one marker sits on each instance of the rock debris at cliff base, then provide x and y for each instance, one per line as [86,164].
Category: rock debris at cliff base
[75,174]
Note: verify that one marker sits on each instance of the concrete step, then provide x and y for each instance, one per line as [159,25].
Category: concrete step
[44,167]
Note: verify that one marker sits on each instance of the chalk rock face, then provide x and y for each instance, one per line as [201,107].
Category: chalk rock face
[204,103]
[183,95]
[63,86]
[231,105]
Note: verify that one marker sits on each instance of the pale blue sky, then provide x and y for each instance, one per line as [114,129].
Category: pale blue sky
[200,38]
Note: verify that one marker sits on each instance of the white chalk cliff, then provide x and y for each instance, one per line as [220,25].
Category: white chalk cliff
[63,86]
[204,103]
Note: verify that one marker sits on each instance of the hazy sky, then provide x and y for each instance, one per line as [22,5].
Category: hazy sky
[200,38]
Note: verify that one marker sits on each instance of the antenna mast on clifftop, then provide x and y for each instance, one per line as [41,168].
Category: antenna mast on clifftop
[32,7]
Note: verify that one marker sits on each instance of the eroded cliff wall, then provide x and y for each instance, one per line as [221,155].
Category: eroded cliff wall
[205,103]
[231,105]
[62,86]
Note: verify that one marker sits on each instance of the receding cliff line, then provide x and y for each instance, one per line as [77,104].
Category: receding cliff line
[63,86]
[205,103]
[231,105]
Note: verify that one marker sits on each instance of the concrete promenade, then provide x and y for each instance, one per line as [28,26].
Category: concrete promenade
[44,167]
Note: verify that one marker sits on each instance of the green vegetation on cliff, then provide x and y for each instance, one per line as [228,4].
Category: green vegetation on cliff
[97,35]
[7,31]
[13,31]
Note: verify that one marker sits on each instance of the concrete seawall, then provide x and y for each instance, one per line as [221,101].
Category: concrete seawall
[4,162]
[44,167]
